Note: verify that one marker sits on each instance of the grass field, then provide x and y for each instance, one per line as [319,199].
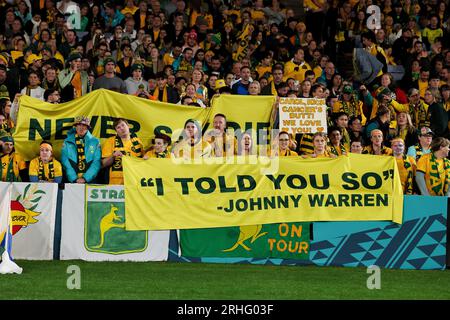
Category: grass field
[195,281]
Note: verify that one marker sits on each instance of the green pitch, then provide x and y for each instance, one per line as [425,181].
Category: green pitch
[167,280]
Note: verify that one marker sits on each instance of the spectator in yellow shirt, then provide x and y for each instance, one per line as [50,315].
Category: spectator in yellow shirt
[297,66]
[45,168]
[124,143]
[160,148]
[12,166]
[406,165]
[433,169]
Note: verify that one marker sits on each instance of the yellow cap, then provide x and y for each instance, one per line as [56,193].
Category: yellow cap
[32,58]
[220,83]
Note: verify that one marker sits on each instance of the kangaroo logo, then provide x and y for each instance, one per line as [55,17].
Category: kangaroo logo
[245,233]
[107,223]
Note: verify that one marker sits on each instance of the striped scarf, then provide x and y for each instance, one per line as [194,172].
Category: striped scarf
[409,180]
[81,157]
[439,188]
[419,151]
[118,146]
[418,115]
[41,171]
[161,154]
[338,151]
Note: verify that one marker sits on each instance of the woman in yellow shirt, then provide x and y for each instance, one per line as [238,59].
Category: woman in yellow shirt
[281,146]
[192,145]
[433,169]
[45,168]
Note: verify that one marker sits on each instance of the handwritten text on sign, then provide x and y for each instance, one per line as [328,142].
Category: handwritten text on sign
[303,115]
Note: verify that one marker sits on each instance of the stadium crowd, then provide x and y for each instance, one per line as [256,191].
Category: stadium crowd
[384,74]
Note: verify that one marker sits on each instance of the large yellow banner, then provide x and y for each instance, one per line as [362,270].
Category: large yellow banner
[38,120]
[165,194]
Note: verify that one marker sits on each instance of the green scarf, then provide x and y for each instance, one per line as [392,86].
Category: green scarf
[118,146]
[41,172]
[81,157]
[435,177]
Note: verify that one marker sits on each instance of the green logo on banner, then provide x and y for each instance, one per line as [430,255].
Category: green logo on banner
[280,240]
[105,229]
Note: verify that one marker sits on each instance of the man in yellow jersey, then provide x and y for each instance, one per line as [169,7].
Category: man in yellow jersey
[124,143]
[45,168]
[222,143]
[13,167]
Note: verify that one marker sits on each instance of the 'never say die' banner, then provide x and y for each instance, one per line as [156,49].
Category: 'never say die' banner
[161,194]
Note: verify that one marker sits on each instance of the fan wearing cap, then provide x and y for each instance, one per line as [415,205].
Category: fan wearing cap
[160,147]
[109,80]
[124,143]
[134,82]
[45,168]
[13,167]
[423,146]
[350,105]
[433,169]
[406,165]
[73,80]
[81,153]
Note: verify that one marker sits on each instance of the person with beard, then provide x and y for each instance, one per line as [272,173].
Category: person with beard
[12,166]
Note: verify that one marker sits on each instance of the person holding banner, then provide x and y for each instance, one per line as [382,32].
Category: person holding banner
[13,167]
[319,140]
[222,143]
[160,148]
[124,143]
[81,153]
[335,145]
[45,168]
[246,147]
[281,146]
[406,165]
[191,145]
[357,145]
[433,169]
[376,147]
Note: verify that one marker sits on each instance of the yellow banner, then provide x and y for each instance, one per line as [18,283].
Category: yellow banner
[163,194]
[38,120]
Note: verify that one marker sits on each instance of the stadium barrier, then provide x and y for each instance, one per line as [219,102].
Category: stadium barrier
[87,223]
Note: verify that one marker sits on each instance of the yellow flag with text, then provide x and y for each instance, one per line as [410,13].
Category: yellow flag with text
[169,194]
[38,120]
